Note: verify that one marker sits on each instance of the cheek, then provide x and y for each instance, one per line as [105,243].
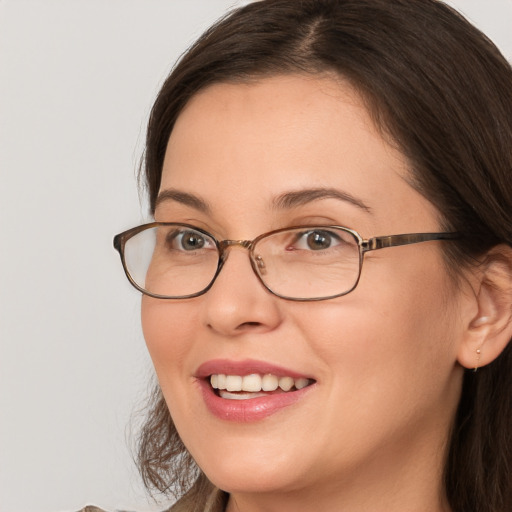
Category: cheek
[391,340]
[166,334]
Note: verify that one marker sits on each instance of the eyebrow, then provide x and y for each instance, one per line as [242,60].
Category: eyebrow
[300,197]
[185,198]
[284,201]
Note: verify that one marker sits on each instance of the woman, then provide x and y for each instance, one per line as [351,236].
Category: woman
[342,365]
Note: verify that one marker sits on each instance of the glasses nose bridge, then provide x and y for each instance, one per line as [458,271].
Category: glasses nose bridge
[245,244]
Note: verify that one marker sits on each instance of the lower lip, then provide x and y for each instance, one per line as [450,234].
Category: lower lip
[252,409]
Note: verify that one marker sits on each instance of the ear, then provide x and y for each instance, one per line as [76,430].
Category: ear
[489,330]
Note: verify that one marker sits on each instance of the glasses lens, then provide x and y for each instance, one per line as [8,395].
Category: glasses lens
[308,263]
[171,260]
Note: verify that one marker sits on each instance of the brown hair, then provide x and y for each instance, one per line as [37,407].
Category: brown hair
[443,93]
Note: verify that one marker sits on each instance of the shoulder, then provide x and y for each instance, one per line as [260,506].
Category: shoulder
[215,501]
[92,508]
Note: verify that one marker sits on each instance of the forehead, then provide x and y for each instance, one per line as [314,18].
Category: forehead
[276,112]
[245,144]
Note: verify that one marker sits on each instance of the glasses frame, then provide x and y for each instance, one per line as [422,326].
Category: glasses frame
[365,245]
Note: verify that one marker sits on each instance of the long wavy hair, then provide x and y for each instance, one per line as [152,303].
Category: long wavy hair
[442,92]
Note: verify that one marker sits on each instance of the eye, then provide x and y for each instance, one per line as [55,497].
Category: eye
[189,240]
[317,240]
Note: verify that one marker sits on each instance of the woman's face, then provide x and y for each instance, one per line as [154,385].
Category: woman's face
[381,361]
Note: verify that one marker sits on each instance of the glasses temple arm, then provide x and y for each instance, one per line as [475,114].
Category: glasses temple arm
[381,242]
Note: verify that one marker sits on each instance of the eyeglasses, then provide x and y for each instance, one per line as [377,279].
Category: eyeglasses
[166,260]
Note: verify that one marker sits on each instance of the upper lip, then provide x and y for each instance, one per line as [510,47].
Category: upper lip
[245,367]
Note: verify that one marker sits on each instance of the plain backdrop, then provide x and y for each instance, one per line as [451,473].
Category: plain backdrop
[77,78]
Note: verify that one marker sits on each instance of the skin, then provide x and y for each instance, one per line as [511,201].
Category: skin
[371,435]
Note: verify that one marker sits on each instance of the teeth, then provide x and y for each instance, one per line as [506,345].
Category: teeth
[286,383]
[301,383]
[221,382]
[239,396]
[269,382]
[255,383]
[251,383]
[234,383]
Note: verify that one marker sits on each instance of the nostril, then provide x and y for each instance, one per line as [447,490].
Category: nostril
[249,327]
[250,324]
[241,327]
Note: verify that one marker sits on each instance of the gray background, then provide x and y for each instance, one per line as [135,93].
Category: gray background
[77,79]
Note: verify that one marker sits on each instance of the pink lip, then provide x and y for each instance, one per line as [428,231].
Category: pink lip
[254,409]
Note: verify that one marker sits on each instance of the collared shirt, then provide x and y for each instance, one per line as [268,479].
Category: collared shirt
[216,501]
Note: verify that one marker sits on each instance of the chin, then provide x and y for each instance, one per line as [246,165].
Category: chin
[249,479]
[249,465]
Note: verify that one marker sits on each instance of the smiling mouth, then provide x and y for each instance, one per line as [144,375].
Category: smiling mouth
[245,387]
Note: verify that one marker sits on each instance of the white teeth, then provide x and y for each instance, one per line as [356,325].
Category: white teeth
[269,382]
[221,381]
[255,383]
[301,383]
[239,396]
[286,383]
[251,383]
[234,383]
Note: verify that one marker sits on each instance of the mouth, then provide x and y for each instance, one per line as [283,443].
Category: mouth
[250,390]
[254,385]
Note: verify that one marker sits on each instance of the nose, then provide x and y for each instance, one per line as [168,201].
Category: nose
[237,302]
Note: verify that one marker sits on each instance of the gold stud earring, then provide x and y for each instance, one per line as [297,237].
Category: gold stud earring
[478,352]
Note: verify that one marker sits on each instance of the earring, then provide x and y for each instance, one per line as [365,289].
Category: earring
[478,352]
